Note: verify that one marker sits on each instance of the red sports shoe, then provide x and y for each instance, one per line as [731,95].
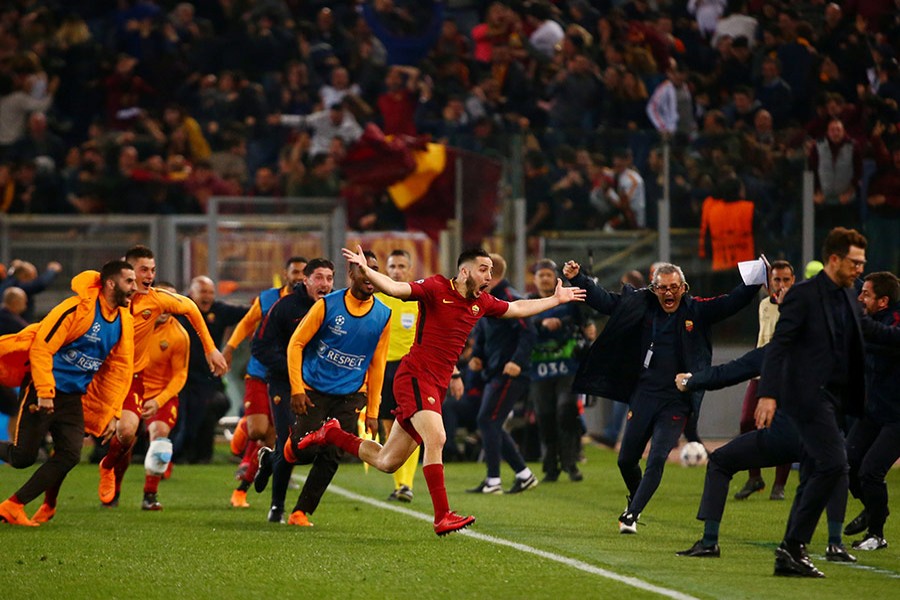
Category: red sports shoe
[44,513]
[14,514]
[452,522]
[107,488]
[317,437]
[298,517]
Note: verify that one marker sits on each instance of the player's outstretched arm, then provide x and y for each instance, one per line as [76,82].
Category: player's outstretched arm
[383,283]
[528,308]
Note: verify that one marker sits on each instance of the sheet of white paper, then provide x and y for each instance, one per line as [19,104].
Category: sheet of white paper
[753,272]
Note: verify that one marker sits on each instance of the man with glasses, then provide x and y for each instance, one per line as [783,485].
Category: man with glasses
[814,371]
[652,334]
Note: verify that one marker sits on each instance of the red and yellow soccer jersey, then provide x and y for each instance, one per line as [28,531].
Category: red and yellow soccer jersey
[446,318]
[146,307]
[169,352]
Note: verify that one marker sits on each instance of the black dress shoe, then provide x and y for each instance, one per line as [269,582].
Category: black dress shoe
[857,525]
[698,550]
[837,553]
[794,563]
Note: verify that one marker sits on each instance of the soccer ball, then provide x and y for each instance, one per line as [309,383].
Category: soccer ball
[693,454]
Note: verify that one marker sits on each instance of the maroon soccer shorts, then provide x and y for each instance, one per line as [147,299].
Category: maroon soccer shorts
[412,395]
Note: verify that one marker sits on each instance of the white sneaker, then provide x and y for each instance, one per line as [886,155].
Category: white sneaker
[870,542]
[627,523]
[485,488]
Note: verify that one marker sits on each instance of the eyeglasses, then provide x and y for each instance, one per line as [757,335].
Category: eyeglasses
[856,263]
[664,289]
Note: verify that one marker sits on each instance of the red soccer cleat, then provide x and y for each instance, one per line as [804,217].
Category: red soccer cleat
[452,522]
[239,499]
[317,437]
[107,488]
[44,513]
[14,514]
[298,518]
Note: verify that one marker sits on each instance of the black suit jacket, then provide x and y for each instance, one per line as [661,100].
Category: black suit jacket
[801,356]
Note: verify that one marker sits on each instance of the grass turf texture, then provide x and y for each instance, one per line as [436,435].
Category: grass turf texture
[200,547]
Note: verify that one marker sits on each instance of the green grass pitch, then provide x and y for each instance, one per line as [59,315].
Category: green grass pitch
[569,545]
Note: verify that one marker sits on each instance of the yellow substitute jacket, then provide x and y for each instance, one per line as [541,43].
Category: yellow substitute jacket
[32,349]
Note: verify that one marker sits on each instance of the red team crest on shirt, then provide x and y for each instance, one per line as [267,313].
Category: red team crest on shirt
[475,309]
[689,325]
[163,345]
[146,313]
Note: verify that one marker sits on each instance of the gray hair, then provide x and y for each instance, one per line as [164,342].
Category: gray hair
[665,268]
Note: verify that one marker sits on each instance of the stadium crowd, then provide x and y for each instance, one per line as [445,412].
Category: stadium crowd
[153,107]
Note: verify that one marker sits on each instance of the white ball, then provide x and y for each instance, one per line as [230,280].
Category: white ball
[693,454]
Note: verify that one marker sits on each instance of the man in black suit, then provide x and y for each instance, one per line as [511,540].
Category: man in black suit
[814,371]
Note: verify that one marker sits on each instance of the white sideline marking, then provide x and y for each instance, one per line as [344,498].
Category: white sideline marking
[570,562]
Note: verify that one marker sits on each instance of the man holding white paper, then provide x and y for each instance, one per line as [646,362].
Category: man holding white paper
[652,334]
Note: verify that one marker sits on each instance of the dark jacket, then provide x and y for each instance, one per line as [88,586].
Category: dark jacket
[271,340]
[219,317]
[721,376]
[883,373]
[11,322]
[614,362]
[499,341]
[801,356]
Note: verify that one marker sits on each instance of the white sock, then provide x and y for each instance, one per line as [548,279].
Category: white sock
[524,474]
[492,481]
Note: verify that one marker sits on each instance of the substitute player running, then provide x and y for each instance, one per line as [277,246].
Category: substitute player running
[147,304]
[448,309]
[256,427]
[165,375]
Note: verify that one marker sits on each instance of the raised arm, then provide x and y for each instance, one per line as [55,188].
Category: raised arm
[528,308]
[383,283]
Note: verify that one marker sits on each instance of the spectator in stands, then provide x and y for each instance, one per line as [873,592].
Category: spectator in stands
[335,120]
[24,275]
[230,161]
[397,104]
[737,68]
[175,118]
[538,216]
[573,97]
[15,302]
[836,163]
[738,23]
[39,144]
[670,108]
[203,183]
[883,216]
[320,180]
[338,88]
[630,191]
[499,27]
[570,192]
[741,112]
[773,92]
[546,33]
[23,91]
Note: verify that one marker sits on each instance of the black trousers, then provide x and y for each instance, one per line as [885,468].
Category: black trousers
[757,449]
[201,405]
[823,469]
[283,419]
[872,448]
[659,425]
[324,459]
[65,424]
[557,413]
